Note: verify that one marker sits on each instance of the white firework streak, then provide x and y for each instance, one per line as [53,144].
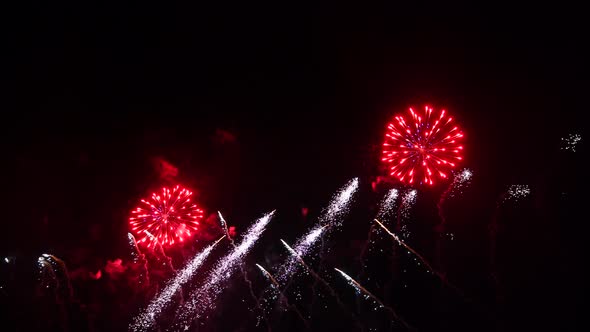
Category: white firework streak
[331,217]
[147,318]
[406,205]
[387,203]
[202,299]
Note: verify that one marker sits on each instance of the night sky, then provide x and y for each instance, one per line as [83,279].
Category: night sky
[276,106]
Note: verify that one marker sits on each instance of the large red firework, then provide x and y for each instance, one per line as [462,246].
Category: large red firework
[167,217]
[422,146]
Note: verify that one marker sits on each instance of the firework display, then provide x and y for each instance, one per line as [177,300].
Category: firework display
[422,147]
[166,217]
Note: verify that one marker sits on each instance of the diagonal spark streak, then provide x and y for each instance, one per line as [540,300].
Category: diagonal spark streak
[147,318]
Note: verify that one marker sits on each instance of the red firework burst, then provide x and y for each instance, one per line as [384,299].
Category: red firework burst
[168,217]
[422,146]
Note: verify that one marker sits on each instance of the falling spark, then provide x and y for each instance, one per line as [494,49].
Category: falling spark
[147,318]
[570,142]
[368,295]
[203,298]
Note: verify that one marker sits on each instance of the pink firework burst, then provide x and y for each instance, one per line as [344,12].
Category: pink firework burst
[166,217]
[422,146]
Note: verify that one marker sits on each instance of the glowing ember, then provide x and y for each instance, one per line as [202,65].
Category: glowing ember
[167,218]
[424,147]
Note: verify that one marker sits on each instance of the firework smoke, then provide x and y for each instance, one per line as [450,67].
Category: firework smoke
[203,298]
[139,261]
[368,295]
[147,318]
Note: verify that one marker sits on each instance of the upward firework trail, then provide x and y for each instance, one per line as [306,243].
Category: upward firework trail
[242,270]
[329,219]
[147,318]
[368,295]
[202,299]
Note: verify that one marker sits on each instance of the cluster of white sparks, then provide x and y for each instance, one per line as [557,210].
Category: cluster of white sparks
[517,191]
[570,142]
[460,181]
[388,203]
[331,217]
[147,318]
[202,299]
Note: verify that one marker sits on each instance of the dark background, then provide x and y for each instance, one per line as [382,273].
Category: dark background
[91,93]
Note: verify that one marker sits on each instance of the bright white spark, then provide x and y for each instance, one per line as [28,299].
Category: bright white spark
[570,142]
[202,299]
[147,318]
[387,204]
[461,180]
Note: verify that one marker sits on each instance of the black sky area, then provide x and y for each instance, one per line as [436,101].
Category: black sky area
[92,92]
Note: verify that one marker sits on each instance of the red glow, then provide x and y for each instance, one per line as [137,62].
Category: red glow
[427,143]
[165,217]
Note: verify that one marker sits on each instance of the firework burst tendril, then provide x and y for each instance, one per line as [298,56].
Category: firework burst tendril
[170,216]
[422,146]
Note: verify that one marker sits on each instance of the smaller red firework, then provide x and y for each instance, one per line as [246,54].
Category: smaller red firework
[424,145]
[166,218]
